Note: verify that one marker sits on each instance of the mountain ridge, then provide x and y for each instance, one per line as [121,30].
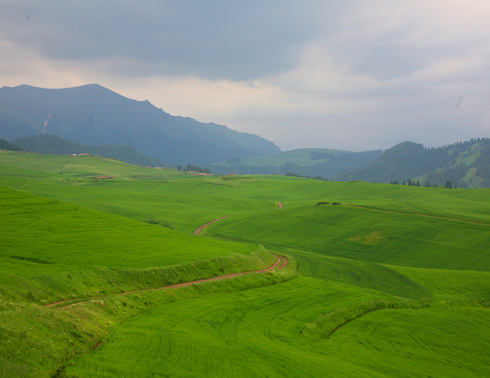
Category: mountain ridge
[311,162]
[94,115]
[463,164]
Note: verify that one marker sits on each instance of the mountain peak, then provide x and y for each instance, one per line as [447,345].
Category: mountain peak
[94,115]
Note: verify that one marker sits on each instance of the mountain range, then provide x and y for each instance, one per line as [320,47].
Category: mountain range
[97,120]
[464,164]
[308,162]
[93,115]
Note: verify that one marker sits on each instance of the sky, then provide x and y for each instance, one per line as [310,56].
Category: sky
[353,75]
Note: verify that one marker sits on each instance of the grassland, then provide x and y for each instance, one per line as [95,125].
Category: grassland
[300,157]
[395,281]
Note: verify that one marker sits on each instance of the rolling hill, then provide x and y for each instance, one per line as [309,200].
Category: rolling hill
[465,164]
[392,281]
[94,115]
[312,162]
[51,144]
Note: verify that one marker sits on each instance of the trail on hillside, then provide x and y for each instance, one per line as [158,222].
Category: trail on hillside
[279,260]
[420,215]
[198,230]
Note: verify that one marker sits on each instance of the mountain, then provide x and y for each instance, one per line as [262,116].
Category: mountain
[51,144]
[94,115]
[312,162]
[464,164]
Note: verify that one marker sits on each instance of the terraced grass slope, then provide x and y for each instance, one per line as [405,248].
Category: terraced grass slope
[305,327]
[45,240]
[393,282]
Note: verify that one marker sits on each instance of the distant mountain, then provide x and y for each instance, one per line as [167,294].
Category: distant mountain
[93,115]
[51,144]
[464,164]
[311,162]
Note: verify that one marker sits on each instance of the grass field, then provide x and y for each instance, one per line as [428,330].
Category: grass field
[259,333]
[300,157]
[395,281]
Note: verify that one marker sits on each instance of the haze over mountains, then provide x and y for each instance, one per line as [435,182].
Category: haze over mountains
[97,120]
[464,164]
[94,115]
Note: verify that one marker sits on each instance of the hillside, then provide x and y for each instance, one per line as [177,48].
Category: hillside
[464,164]
[391,281]
[312,162]
[93,115]
[6,145]
[51,144]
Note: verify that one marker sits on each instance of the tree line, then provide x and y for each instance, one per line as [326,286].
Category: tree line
[6,145]
[51,144]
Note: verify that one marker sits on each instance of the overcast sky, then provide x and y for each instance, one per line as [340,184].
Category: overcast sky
[351,75]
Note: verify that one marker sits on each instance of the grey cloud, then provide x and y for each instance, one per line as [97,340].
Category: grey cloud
[213,39]
[384,60]
[344,74]
[389,39]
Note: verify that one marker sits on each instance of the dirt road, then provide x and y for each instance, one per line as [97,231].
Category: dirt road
[280,260]
[280,263]
[198,230]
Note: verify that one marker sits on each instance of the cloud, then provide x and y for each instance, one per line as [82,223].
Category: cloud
[390,39]
[212,39]
[354,75]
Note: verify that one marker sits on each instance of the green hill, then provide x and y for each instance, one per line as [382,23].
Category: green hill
[392,281]
[93,115]
[465,164]
[312,162]
[51,144]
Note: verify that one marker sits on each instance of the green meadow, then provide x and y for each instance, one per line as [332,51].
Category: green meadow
[391,281]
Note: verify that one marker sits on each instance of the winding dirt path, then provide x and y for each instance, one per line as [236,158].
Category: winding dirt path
[280,263]
[198,230]
[280,260]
